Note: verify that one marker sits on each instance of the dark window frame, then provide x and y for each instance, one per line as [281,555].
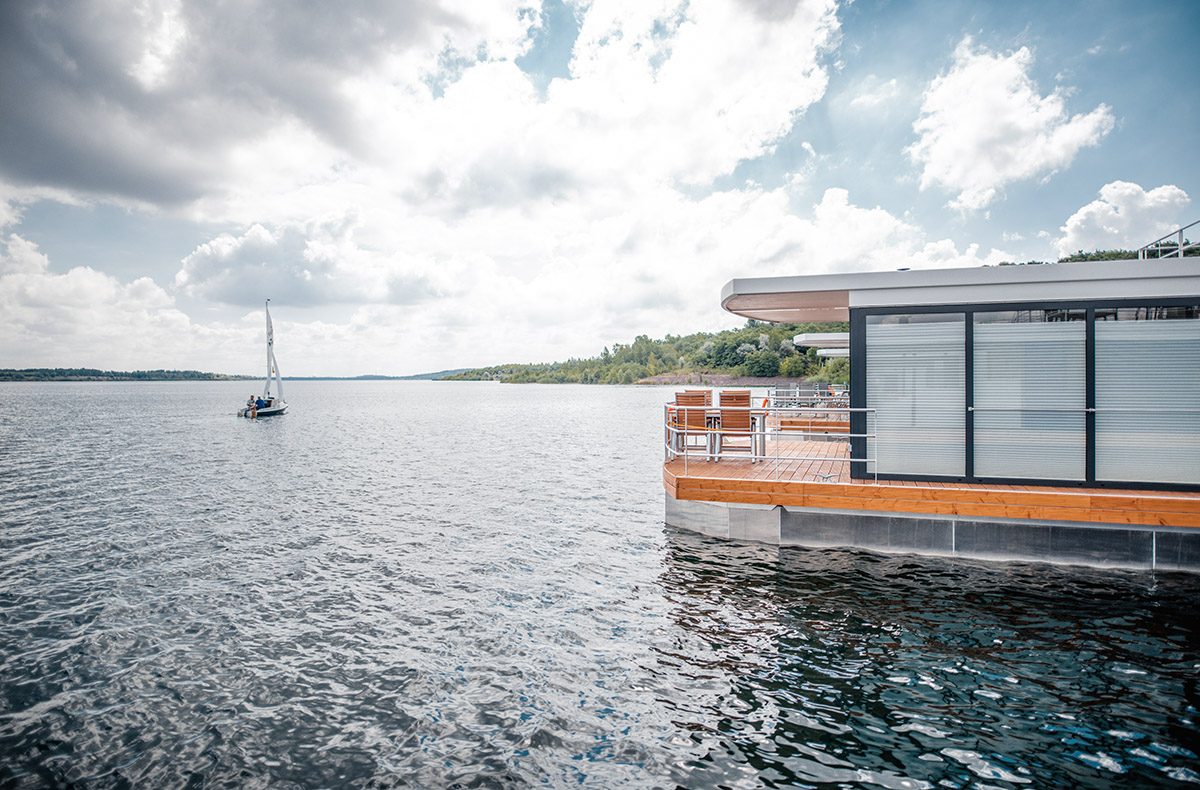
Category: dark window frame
[858,392]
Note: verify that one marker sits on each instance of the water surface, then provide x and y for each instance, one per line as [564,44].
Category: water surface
[435,585]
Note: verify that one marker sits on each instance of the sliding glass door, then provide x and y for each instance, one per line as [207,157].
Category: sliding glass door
[1148,395]
[1030,390]
[915,381]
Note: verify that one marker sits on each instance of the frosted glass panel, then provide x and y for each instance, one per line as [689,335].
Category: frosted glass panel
[1148,401]
[1030,399]
[915,381]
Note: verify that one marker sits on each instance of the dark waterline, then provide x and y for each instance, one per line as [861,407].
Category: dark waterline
[431,585]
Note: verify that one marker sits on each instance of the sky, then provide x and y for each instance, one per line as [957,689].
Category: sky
[420,185]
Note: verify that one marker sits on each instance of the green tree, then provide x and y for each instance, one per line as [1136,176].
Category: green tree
[1099,255]
[794,367]
[699,353]
[835,371]
[762,363]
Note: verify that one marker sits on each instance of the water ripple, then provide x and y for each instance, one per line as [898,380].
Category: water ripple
[427,585]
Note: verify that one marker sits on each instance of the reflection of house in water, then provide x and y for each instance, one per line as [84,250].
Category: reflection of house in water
[820,669]
[1044,412]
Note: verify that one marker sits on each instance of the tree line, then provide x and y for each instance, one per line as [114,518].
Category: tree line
[94,374]
[756,349]
[1166,249]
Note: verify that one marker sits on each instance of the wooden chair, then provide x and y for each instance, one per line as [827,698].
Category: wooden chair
[691,422]
[735,424]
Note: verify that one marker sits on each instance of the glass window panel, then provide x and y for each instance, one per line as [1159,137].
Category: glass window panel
[1148,396]
[1029,387]
[915,381]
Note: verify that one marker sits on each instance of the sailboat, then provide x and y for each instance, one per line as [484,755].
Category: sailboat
[267,405]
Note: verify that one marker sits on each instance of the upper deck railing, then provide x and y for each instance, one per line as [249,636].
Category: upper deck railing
[1163,248]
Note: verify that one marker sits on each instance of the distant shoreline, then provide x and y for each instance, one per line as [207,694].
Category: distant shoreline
[656,381]
[95,374]
[68,375]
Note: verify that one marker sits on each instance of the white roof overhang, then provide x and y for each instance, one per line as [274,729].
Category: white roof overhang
[829,297]
[822,340]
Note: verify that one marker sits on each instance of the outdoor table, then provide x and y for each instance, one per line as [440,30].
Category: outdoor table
[758,432]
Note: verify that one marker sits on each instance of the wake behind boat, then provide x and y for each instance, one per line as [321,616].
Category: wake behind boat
[266,405]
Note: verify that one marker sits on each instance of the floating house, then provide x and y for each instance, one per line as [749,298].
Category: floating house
[1038,412]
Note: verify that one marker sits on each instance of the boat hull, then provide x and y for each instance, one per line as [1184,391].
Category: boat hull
[269,411]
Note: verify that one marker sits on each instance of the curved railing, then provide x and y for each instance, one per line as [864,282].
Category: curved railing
[779,435]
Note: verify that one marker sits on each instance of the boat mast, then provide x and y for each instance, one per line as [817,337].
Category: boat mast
[270,355]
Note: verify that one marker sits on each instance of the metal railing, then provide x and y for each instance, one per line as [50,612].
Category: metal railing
[832,396]
[1164,249]
[770,434]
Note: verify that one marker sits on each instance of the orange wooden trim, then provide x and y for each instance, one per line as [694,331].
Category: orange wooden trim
[1154,509]
[948,508]
[764,479]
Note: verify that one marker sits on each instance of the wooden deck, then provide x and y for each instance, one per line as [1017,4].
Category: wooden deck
[802,484]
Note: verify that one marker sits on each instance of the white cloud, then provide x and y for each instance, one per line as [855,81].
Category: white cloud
[22,257]
[295,264]
[163,33]
[85,318]
[10,212]
[1125,217]
[197,107]
[692,105]
[648,264]
[507,290]
[659,92]
[143,103]
[983,125]
[13,201]
[422,186]
[872,93]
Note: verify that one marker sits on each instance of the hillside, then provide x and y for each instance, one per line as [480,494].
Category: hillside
[756,350]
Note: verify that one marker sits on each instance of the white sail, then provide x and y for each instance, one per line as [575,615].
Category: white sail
[272,365]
